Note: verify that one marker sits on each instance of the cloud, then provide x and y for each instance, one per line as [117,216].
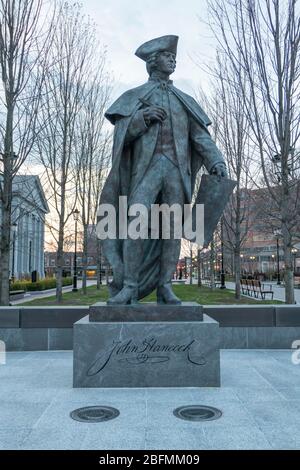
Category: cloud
[124,25]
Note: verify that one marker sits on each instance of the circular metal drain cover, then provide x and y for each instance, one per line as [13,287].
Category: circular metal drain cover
[197,413]
[94,414]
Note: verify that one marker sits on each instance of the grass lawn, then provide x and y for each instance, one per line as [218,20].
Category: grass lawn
[202,295]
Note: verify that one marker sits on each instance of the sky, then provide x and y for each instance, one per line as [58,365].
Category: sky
[123,25]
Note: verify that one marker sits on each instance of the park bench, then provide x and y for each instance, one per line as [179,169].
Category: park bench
[260,289]
[246,287]
[206,281]
[253,287]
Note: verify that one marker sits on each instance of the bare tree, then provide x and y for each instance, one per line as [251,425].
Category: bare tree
[234,139]
[70,59]
[262,39]
[225,105]
[188,251]
[211,106]
[93,155]
[23,55]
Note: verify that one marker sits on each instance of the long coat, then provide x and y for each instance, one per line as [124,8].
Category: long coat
[131,160]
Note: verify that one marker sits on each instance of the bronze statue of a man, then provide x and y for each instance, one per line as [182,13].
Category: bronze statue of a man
[161,141]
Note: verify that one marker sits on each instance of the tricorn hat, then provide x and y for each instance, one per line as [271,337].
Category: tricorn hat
[164,43]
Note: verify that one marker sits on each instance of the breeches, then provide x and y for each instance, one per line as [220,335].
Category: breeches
[162,177]
[161,183]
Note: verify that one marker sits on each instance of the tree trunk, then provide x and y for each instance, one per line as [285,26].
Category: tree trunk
[60,258]
[191,267]
[59,272]
[289,268]
[5,252]
[237,247]
[237,265]
[99,265]
[286,235]
[61,232]
[84,259]
[6,205]
[199,267]
[212,266]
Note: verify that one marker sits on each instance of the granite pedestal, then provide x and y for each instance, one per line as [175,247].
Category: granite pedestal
[146,345]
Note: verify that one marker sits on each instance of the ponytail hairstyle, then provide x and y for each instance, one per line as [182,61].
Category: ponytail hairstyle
[151,62]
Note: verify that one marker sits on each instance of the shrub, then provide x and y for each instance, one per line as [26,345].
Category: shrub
[67,281]
[19,285]
[43,284]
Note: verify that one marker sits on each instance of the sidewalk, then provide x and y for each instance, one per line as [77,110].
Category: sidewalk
[279,291]
[49,292]
[259,401]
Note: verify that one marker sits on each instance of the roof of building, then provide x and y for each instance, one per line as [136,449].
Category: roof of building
[27,187]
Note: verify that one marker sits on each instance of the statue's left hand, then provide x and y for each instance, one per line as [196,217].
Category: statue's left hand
[219,170]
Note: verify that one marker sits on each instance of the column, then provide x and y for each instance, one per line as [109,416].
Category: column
[37,244]
[33,238]
[42,248]
[19,247]
[26,242]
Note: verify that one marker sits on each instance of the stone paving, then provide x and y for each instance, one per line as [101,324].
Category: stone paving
[259,398]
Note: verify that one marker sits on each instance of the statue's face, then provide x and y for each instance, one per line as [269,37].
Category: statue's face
[166,62]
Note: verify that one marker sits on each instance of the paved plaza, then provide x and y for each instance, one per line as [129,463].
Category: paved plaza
[259,398]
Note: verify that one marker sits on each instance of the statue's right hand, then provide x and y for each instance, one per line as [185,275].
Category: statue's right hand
[154,113]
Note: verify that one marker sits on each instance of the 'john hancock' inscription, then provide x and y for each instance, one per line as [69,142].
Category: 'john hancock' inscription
[149,350]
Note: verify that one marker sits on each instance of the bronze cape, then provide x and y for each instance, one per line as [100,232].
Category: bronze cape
[119,180]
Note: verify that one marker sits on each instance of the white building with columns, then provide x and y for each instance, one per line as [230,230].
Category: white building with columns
[29,208]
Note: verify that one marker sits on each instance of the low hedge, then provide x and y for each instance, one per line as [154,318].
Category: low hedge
[43,284]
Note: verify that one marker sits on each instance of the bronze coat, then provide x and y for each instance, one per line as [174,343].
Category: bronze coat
[130,162]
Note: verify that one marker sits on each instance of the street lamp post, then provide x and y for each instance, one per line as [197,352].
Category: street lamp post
[14,228]
[294,251]
[223,286]
[100,263]
[278,267]
[242,265]
[76,218]
[273,263]
[252,258]
[199,267]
